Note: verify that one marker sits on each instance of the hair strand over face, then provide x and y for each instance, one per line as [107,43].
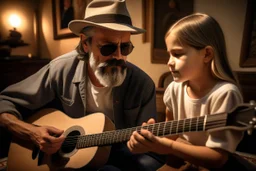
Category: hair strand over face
[200,30]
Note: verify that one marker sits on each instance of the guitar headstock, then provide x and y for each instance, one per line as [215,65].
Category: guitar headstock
[243,116]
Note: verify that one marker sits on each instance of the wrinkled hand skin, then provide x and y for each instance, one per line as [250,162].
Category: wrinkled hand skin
[48,139]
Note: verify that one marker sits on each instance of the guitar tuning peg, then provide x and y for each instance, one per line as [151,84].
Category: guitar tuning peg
[252,102]
[253,123]
[249,132]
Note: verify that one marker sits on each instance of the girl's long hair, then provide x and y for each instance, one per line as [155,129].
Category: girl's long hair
[200,30]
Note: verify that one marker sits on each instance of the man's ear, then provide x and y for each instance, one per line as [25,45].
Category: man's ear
[209,54]
[84,44]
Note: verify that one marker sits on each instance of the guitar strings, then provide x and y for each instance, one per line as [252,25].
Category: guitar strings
[165,128]
[213,125]
[193,126]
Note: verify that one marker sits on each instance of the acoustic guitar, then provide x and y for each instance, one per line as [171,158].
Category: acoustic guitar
[88,139]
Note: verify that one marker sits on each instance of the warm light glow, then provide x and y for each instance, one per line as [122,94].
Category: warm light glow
[15,20]
[30,55]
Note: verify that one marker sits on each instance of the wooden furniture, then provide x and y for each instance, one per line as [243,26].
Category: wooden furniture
[13,70]
[247,82]
[164,80]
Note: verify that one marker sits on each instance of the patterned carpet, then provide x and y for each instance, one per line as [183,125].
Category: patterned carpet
[250,158]
[3,163]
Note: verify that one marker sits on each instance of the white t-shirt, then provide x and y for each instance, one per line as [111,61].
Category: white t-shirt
[99,99]
[222,98]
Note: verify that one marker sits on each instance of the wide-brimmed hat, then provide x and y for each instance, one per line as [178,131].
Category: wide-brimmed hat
[111,14]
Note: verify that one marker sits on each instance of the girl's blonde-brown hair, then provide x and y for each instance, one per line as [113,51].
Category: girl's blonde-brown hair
[200,30]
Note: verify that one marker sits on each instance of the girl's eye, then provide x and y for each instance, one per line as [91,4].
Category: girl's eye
[177,54]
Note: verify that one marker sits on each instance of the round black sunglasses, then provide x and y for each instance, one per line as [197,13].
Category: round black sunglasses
[108,49]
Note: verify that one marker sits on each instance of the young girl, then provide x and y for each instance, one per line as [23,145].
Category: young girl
[203,84]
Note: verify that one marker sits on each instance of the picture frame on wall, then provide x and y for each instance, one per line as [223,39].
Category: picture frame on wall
[248,49]
[63,11]
[158,17]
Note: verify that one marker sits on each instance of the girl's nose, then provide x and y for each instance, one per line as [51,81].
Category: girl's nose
[171,61]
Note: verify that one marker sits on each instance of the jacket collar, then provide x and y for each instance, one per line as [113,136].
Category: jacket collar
[80,72]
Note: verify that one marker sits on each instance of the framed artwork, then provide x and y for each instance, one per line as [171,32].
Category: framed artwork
[63,11]
[248,49]
[158,17]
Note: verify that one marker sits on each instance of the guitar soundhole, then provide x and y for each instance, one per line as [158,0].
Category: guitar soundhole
[70,142]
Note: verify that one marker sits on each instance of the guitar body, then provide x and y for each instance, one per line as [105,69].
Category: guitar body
[20,152]
[88,138]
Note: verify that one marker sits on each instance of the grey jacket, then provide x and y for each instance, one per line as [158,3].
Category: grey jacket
[61,84]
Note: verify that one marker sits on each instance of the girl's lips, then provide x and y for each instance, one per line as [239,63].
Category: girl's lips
[175,73]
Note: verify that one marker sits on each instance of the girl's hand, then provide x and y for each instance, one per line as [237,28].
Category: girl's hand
[145,141]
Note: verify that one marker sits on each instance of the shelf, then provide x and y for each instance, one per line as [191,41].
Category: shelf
[16,69]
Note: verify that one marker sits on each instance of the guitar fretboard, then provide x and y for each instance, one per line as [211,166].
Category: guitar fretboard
[201,123]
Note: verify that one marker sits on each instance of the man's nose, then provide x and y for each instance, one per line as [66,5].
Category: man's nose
[117,54]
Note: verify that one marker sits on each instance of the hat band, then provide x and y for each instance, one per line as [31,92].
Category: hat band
[110,18]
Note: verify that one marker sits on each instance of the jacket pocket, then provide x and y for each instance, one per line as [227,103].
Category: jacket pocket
[66,101]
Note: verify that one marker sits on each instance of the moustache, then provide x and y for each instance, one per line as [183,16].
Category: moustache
[112,63]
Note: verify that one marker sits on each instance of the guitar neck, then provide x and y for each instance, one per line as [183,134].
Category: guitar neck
[201,123]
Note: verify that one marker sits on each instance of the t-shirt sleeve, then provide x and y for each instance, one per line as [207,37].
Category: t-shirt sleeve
[168,96]
[225,139]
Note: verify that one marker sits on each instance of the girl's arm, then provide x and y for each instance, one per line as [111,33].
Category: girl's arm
[198,155]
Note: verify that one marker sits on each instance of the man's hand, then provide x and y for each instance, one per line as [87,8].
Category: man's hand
[48,139]
[145,141]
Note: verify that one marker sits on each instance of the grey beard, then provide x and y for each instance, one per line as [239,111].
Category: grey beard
[108,77]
